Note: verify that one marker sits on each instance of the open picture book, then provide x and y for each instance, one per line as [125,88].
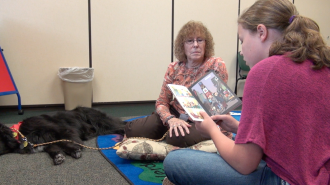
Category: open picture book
[209,94]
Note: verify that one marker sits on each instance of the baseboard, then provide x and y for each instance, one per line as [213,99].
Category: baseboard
[15,107]
[124,103]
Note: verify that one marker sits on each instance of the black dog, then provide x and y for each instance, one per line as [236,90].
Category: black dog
[77,125]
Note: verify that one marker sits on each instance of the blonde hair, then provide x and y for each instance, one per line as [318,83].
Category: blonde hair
[187,30]
[301,35]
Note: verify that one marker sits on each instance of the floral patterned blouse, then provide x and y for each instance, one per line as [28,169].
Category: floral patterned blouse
[177,73]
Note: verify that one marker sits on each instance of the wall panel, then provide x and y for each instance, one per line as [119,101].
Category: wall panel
[38,37]
[131,42]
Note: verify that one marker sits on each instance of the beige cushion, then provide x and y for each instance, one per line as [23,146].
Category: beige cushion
[144,149]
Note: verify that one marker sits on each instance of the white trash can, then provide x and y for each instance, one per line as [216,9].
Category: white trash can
[77,86]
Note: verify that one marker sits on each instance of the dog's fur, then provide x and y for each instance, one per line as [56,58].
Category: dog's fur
[77,125]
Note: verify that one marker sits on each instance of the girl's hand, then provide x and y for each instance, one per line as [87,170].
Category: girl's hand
[227,122]
[206,126]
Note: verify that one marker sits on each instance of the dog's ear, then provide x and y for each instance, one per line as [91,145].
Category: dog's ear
[9,139]
[6,133]
[8,144]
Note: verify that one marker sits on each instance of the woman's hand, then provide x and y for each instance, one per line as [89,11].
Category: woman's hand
[178,125]
[227,122]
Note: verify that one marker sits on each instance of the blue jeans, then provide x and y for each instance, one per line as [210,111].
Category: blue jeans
[187,166]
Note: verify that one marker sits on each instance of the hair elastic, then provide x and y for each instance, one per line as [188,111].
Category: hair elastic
[291,19]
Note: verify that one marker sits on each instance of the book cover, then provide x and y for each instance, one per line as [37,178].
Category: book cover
[209,94]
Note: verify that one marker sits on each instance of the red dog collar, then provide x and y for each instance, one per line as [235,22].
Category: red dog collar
[15,132]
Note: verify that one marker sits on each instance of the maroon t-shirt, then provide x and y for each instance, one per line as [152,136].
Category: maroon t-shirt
[286,111]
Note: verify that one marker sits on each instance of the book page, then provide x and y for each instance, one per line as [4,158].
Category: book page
[187,101]
[214,95]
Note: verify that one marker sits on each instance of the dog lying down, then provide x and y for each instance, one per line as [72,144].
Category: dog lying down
[77,125]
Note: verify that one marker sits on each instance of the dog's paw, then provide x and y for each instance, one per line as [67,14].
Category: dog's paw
[76,154]
[59,159]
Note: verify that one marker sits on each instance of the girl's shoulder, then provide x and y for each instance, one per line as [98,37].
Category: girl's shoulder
[270,62]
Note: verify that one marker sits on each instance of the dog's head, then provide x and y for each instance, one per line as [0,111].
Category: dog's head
[8,144]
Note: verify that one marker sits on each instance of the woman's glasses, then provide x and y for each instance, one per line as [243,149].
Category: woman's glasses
[192,41]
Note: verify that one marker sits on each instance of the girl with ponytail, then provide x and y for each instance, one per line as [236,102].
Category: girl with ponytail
[283,133]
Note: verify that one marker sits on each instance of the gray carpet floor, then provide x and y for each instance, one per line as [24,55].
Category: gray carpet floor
[38,168]
[91,168]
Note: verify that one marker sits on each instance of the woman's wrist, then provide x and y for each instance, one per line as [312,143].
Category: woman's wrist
[168,118]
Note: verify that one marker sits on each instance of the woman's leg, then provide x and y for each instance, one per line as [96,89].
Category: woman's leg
[190,139]
[148,127]
[186,166]
[153,128]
